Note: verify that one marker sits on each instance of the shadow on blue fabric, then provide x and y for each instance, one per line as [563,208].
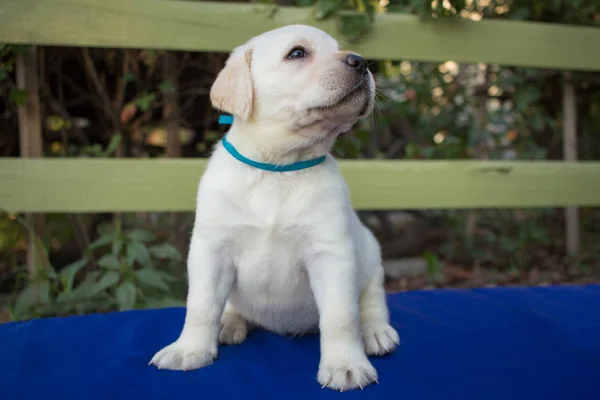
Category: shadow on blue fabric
[502,343]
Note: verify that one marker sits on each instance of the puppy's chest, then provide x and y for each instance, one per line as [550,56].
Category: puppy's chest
[268,238]
[266,224]
[257,245]
[266,217]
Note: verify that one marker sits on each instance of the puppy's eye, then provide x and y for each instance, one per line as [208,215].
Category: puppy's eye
[297,52]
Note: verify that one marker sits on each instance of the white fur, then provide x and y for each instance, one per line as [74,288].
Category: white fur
[285,251]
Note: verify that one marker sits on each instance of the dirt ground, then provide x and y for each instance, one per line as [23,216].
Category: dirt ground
[457,277]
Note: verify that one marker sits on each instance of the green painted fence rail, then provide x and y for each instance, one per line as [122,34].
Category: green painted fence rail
[99,185]
[210,26]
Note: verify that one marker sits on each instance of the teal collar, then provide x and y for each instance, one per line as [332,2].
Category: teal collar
[271,167]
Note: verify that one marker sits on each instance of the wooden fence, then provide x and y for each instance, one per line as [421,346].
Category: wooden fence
[86,185]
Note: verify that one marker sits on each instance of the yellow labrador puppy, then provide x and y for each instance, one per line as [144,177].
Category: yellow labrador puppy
[276,243]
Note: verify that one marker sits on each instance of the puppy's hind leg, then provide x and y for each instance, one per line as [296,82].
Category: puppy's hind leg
[234,327]
[377,334]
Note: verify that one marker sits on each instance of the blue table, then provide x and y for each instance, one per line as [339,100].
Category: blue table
[503,343]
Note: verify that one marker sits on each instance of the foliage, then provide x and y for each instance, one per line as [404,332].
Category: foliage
[115,103]
[449,111]
[120,270]
[8,86]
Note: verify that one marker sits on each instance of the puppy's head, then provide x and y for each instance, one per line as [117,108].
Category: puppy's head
[295,77]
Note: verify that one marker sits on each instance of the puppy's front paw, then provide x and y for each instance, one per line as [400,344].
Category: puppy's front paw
[184,356]
[347,373]
[234,329]
[379,338]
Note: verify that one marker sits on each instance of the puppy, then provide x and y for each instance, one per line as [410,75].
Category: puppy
[284,250]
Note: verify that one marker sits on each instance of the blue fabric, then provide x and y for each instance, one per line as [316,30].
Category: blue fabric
[517,343]
[271,167]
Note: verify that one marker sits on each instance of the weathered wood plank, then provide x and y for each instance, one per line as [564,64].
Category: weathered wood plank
[97,185]
[569,127]
[206,26]
[31,143]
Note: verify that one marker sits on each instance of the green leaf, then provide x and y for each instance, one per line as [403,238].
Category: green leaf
[413,150]
[130,257]
[145,102]
[94,150]
[106,229]
[151,302]
[433,263]
[109,261]
[44,292]
[151,278]
[67,274]
[84,290]
[167,87]
[90,288]
[64,297]
[138,251]
[521,14]
[50,271]
[324,8]
[115,140]
[129,77]
[107,280]
[126,294]
[102,241]
[26,299]
[20,48]
[165,275]
[165,250]
[141,235]
[18,96]
[423,8]
[117,246]
[149,56]
[353,25]
[459,5]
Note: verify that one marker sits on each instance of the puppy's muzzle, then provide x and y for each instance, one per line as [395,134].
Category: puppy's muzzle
[357,63]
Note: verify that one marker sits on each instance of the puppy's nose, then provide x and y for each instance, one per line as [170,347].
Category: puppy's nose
[357,62]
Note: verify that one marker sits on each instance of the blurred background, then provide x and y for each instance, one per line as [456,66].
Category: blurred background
[153,103]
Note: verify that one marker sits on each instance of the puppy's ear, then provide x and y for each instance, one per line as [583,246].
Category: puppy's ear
[232,90]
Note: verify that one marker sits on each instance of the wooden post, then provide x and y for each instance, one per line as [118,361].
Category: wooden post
[171,107]
[172,119]
[479,103]
[30,140]
[569,106]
